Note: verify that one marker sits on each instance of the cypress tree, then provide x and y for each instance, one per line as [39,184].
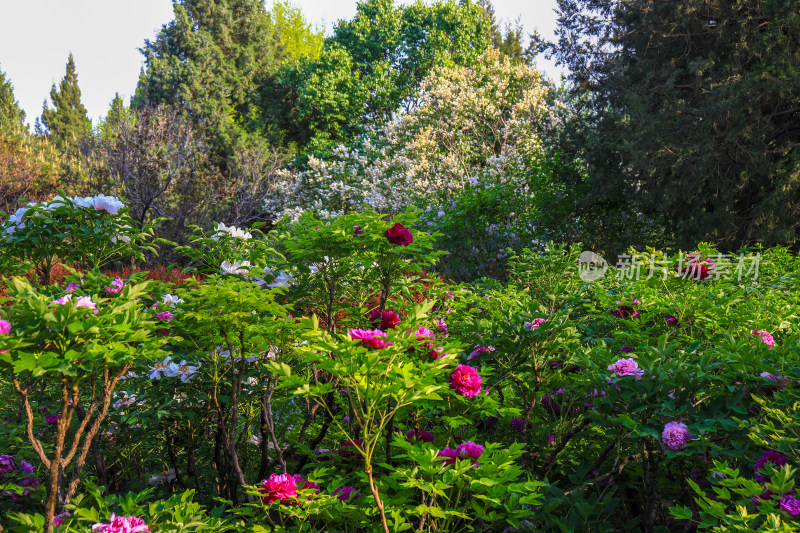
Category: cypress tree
[67,122]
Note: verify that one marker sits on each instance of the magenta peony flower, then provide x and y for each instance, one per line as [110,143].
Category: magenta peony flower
[165,316]
[441,326]
[122,524]
[304,484]
[449,454]
[369,338]
[423,334]
[437,352]
[626,349]
[770,456]
[469,450]
[58,520]
[116,286]
[675,435]
[550,438]
[419,435]
[52,419]
[5,327]
[766,338]
[696,268]
[350,445]
[625,311]
[279,487]
[789,504]
[465,381]
[535,323]
[672,321]
[398,234]
[25,466]
[388,319]
[346,493]
[7,465]
[357,230]
[479,350]
[780,381]
[627,367]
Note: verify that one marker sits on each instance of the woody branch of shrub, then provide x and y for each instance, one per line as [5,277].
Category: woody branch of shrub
[240,325]
[377,378]
[78,346]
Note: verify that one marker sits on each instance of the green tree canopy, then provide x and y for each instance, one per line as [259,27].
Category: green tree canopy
[67,122]
[371,67]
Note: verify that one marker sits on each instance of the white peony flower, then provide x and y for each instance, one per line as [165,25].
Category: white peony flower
[172,300]
[282,280]
[236,267]
[85,202]
[109,204]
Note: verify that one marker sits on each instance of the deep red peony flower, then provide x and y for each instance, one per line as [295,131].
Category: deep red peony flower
[399,234]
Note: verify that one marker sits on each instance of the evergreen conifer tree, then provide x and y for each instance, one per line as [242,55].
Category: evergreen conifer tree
[67,122]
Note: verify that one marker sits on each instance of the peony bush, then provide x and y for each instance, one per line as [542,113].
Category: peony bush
[319,377]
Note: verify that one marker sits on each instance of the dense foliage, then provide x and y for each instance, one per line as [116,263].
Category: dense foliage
[315,378]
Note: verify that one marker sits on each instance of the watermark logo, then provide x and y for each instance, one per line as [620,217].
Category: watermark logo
[591,266]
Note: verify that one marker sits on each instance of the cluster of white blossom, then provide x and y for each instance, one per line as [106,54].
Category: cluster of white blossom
[473,125]
[233,231]
[101,202]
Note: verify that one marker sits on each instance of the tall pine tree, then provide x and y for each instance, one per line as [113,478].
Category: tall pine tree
[12,117]
[68,121]
[694,108]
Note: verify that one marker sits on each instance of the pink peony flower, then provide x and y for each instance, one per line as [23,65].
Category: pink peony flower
[116,286]
[789,504]
[63,300]
[369,338]
[279,487]
[122,524]
[441,326]
[419,435]
[770,456]
[465,381]
[165,316]
[398,234]
[388,319]
[675,435]
[72,287]
[766,338]
[627,367]
[85,301]
[550,438]
[437,352]
[346,493]
[5,327]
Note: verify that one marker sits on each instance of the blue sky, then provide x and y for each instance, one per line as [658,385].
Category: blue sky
[36,37]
